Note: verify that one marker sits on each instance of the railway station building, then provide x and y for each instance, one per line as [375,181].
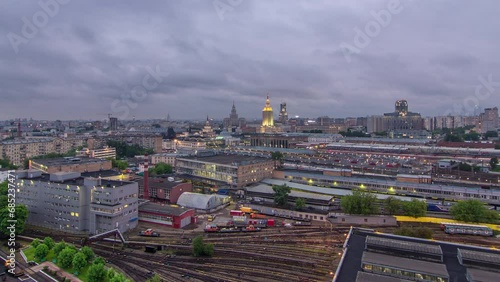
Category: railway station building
[265,194]
[374,256]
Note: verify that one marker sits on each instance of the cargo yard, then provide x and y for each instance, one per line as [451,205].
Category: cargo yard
[249,246]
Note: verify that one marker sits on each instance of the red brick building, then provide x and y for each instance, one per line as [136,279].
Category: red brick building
[173,216]
[164,190]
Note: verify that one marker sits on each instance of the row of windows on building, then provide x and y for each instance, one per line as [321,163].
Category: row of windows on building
[402,273]
[144,215]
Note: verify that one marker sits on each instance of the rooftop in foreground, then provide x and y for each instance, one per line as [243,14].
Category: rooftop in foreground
[391,262]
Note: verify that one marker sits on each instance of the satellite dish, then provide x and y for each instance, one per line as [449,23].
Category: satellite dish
[171,179]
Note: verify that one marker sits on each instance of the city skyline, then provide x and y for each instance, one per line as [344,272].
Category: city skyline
[194,59]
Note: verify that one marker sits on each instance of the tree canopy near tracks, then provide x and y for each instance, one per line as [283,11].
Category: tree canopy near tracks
[393,205]
[415,208]
[201,249]
[473,211]
[79,261]
[278,158]
[41,252]
[300,203]
[155,278]
[65,258]
[359,202]
[281,194]
[97,273]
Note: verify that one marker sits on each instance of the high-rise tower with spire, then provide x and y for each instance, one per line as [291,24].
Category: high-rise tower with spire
[267,114]
[233,122]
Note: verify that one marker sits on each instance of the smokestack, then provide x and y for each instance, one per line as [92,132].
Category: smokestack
[146,178]
[19,128]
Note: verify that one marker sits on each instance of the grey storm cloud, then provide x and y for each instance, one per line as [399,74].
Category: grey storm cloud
[87,58]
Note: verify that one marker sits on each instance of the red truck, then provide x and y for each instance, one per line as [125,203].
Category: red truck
[236,213]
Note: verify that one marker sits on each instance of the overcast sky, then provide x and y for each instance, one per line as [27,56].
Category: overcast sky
[90,58]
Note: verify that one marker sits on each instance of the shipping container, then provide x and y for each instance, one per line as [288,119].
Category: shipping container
[258,215]
[246,209]
[270,222]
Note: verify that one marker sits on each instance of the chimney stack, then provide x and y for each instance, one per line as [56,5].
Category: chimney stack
[19,128]
[146,179]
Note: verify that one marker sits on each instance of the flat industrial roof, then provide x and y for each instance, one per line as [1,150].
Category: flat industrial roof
[396,183]
[327,191]
[405,263]
[404,245]
[480,256]
[233,160]
[68,161]
[164,209]
[371,277]
[480,275]
[268,189]
[355,248]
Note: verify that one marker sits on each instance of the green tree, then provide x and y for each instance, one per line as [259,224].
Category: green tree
[79,261]
[493,163]
[20,215]
[41,252]
[155,278]
[65,258]
[160,168]
[89,254]
[473,211]
[118,278]
[202,249]
[123,150]
[59,247]
[278,158]
[453,138]
[121,165]
[97,273]
[359,202]
[4,190]
[99,260]
[35,243]
[5,163]
[300,203]
[49,242]
[170,133]
[472,136]
[281,194]
[415,208]
[491,133]
[111,273]
[392,205]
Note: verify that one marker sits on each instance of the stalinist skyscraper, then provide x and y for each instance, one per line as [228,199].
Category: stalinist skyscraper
[267,114]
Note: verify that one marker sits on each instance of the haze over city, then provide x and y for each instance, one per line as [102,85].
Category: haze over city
[85,58]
